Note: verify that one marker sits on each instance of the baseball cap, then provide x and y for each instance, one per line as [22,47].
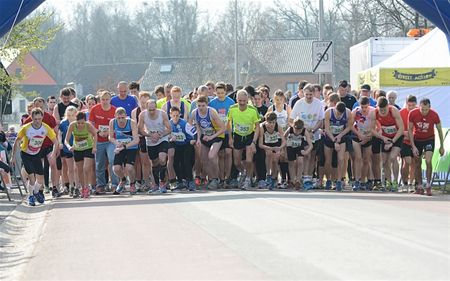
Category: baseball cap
[365,87]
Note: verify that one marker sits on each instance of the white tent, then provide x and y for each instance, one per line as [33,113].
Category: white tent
[421,69]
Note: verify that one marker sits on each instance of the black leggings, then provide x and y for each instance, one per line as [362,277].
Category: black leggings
[183,161]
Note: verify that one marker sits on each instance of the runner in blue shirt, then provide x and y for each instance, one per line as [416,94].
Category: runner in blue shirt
[124,99]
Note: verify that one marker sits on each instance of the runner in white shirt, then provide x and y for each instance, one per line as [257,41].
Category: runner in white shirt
[310,111]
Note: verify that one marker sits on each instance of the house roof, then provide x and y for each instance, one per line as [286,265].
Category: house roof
[185,72]
[281,56]
[93,77]
[38,75]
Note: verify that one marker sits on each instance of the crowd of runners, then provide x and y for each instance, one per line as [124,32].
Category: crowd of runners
[216,137]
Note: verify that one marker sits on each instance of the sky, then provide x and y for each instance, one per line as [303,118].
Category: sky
[206,6]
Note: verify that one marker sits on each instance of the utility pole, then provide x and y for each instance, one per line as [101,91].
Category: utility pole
[321,36]
[236,71]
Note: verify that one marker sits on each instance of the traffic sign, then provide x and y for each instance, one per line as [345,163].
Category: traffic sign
[322,56]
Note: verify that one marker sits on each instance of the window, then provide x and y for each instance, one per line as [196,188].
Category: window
[165,68]
[22,105]
[292,87]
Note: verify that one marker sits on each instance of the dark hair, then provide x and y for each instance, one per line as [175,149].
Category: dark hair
[340,107]
[328,87]
[343,83]
[302,84]
[382,102]
[202,99]
[174,109]
[271,116]
[250,90]
[158,89]
[279,93]
[51,98]
[229,87]
[134,85]
[168,85]
[81,116]
[317,87]
[364,101]
[37,111]
[221,85]
[411,98]
[308,87]
[66,91]
[425,101]
[299,124]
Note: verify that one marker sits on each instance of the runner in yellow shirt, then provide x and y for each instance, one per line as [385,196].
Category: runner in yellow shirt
[243,122]
[31,137]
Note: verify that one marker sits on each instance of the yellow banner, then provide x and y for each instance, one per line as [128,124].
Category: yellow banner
[410,77]
[370,76]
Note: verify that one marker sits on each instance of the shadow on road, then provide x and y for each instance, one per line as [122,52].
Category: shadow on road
[172,198]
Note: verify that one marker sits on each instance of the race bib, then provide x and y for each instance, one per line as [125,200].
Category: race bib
[242,129]
[294,142]
[389,130]
[103,128]
[124,141]
[223,117]
[34,145]
[336,130]
[208,131]
[82,144]
[317,135]
[270,138]
[179,137]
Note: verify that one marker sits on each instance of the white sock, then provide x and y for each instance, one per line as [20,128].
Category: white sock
[36,187]
[30,188]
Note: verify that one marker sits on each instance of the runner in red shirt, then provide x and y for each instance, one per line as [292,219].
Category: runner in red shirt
[406,151]
[421,130]
[46,149]
[100,116]
[391,125]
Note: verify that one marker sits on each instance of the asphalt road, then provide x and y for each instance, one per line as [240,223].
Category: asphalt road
[233,235]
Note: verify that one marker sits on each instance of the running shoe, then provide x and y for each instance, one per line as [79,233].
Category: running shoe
[138,187]
[262,184]
[120,187]
[212,184]
[31,200]
[191,186]
[307,185]
[234,183]
[377,186]
[198,181]
[76,193]
[270,182]
[339,186]
[356,186]
[241,179]
[328,185]
[88,192]
[47,190]
[55,192]
[419,190]
[154,190]
[246,184]
[132,188]
[179,186]
[39,197]
[394,187]
[162,187]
